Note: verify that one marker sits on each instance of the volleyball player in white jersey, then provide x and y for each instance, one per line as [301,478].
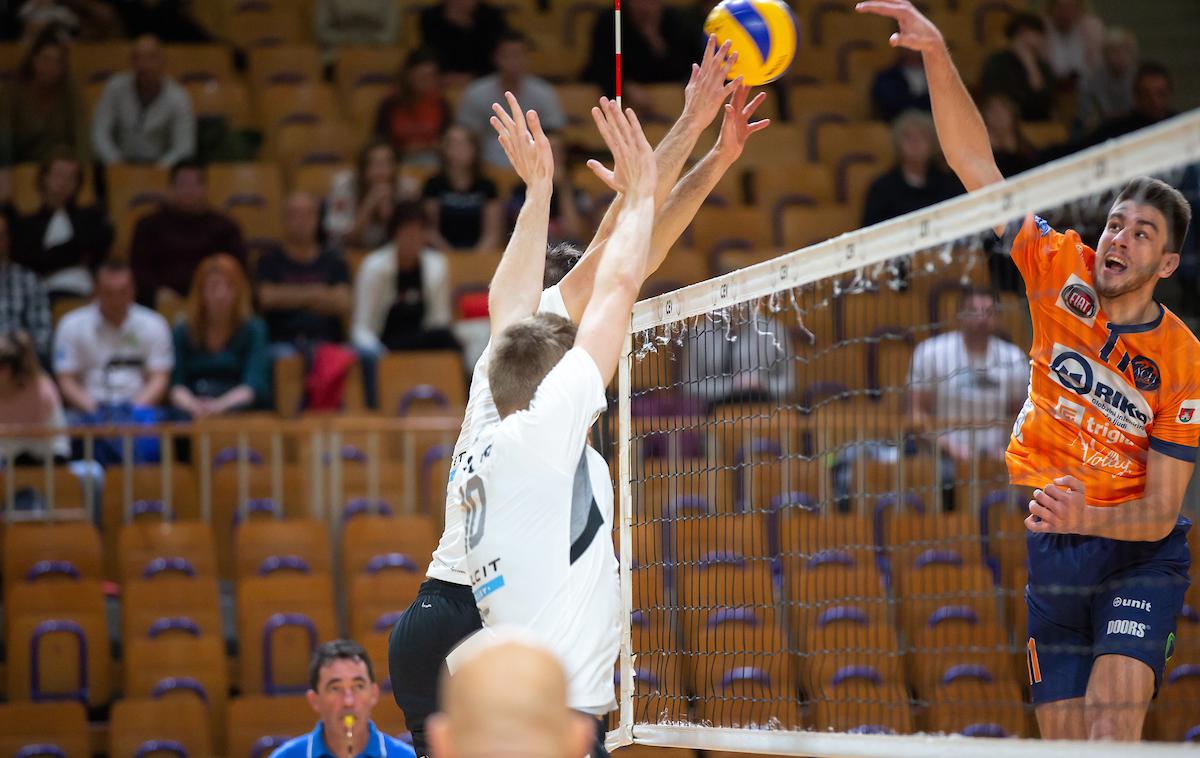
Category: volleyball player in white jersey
[444,611]
[539,500]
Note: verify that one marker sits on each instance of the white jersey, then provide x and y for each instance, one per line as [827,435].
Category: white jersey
[538,524]
[480,415]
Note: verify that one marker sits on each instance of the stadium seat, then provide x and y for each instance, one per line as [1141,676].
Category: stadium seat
[181,666]
[281,620]
[910,539]
[62,725]
[780,142]
[298,145]
[946,644]
[749,697]
[936,586]
[180,722]
[51,552]
[252,28]
[790,182]
[94,62]
[256,185]
[170,605]
[260,723]
[726,579]
[316,179]
[61,491]
[192,64]
[800,226]
[680,269]
[832,650]
[132,192]
[367,67]
[658,690]
[862,705]
[400,373]
[374,596]
[817,597]
[977,708]
[264,547]
[281,105]
[363,107]
[742,227]
[365,537]
[693,537]
[226,99]
[1175,715]
[182,546]
[65,626]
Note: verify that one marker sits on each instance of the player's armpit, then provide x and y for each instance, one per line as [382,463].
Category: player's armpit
[1151,517]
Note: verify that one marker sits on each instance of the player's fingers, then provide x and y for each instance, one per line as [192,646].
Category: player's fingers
[748,111]
[600,116]
[603,174]
[881,7]
[535,126]
[499,127]
[710,47]
[1033,525]
[758,126]
[1053,491]
[1042,512]
[1046,501]
[518,115]
[1069,482]
[900,39]
[636,128]
[505,119]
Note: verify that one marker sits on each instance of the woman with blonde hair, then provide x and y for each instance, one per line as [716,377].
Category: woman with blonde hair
[221,357]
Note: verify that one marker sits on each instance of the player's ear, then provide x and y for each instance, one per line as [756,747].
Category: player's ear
[582,734]
[1168,264]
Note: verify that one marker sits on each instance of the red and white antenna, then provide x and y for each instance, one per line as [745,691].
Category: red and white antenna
[617,31]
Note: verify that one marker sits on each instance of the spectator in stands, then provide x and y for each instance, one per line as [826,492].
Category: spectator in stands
[413,118]
[901,86]
[342,23]
[1152,89]
[65,19]
[360,203]
[463,34]
[221,356]
[23,302]
[28,397]
[916,181]
[512,75]
[1013,152]
[1107,92]
[570,207]
[169,243]
[968,384]
[40,111]
[1075,38]
[511,699]
[462,204]
[1020,71]
[342,683]
[402,291]
[144,116]
[62,241]
[658,45]
[112,353]
[741,361]
[303,289]
[170,21]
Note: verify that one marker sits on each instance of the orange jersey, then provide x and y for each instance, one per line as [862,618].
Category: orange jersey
[1101,395]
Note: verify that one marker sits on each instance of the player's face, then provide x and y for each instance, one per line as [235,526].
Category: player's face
[344,689]
[1131,251]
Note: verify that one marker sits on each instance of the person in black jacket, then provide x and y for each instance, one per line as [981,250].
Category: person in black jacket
[916,181]
[463,34]
[62,241]
[658,46]
[1020,71]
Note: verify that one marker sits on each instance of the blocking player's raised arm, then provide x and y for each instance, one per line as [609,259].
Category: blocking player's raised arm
[517,284]
[622,268]
[960,128]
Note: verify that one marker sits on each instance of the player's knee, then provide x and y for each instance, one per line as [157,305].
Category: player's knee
[1114,723]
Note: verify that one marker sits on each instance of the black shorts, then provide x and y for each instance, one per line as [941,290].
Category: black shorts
[442,616]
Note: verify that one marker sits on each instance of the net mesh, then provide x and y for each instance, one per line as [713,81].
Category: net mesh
[822,533]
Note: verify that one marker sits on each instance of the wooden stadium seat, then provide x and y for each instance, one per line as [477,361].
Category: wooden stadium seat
[401,372]
[261,547]
[142,543]
[936,587]
[286,616]
[790,182]
[975,707]
[939,652]
[51,552]
[833,650]
[658,689]
[373,597]
[172,666]
[471,271]
[280,105]
[257,185]
[800,226]
[260,723]
[260,225]
[911,539]
[681,268]
[298,145]
[365,537]
[93,63]
[136,721]
[860,704]
[726,580]
[289,65]
[577,100]
[190,64]
[873,313]
[252,29]
[170,605]
[150,485]
[835,141]
[715,229]
[1175,714]
[745,694]
[66,623]
[367,67]
[61,724]
[226,99]
[134,188]
[694,536]
[62,490]
[316,179]
[785,144]
[363,107]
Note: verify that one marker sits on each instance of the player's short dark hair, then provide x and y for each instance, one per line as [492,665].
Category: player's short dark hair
[337,650]
[1024,21]
[186,165]
[114,266]
[406,212]
[560,259]
[1167,200]
[970,292]
[522,356]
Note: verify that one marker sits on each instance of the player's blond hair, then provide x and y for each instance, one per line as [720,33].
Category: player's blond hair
[522,356]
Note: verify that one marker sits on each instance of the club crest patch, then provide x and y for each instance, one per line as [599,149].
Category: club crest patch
[1145,373]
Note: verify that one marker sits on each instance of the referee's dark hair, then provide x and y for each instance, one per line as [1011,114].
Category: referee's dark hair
[560,259]
[522,356]
[337,650]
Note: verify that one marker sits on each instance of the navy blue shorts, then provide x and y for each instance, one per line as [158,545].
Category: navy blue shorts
[1091,596]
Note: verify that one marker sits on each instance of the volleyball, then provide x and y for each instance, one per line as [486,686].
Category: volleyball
[762,33]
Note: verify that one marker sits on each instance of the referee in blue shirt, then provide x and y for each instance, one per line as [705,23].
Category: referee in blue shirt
[342,692]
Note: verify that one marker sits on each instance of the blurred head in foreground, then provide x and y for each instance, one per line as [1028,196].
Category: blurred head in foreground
[509,700]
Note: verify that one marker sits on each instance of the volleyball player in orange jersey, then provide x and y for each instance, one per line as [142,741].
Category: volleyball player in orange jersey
[1108,435]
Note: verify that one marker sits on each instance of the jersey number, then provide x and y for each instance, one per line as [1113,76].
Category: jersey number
[476,505]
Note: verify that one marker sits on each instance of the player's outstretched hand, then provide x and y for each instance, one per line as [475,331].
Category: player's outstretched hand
[524,142]
[737,127]
[633,159]
[1060,508]
[706,88]
[916,31]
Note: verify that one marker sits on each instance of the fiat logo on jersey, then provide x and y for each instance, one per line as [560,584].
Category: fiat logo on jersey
[1073,372]
[1145,373]
[1080,299]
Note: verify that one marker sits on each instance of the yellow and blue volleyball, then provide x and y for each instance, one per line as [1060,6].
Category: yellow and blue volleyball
[763,34]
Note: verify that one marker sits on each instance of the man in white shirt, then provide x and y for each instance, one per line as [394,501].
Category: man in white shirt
[445,612]
[967,385]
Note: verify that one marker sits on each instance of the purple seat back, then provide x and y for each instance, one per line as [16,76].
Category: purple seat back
[175,683]
[173,624]
[275,623]
[273,563]
[163,564]
[40,750]
[149,747]
[43,569]
[391,561]
[64,626]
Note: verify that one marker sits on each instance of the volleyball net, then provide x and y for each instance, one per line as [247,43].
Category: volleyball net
[820,550]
